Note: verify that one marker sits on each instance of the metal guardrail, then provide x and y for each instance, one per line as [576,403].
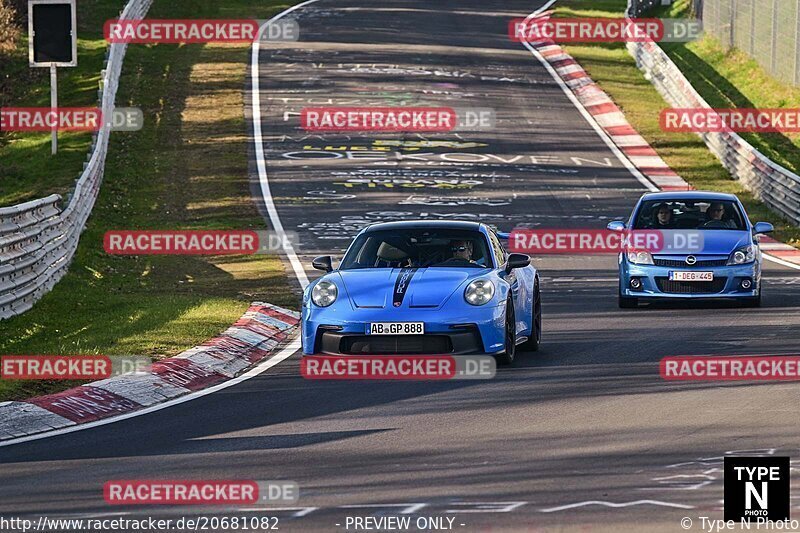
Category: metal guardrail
[37,238]
[771,183]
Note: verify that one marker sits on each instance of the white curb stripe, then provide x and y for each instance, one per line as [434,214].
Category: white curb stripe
[592,98]
[630,141]
[648,161]
[261,318]
[569,69]
[17,419]
[610,120]
[144,389]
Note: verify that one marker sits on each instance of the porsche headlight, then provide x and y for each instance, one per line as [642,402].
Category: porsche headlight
[479,292]
[640,257]
[324,293]
[743,255]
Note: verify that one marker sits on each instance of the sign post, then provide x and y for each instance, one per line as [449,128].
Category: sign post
[52,43]
[54,107]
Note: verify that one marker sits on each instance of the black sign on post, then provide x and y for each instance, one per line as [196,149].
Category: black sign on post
[52,43]
[52,33]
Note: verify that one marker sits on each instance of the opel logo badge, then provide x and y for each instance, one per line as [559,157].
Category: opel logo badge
[691,260]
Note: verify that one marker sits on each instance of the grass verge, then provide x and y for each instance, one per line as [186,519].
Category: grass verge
[187,169]
[610,65]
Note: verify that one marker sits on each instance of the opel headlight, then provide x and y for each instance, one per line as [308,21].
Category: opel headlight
[324,293]
[743,255]
[479,292]
[640,257]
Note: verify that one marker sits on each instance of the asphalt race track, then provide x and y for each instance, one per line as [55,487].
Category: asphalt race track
[583,434]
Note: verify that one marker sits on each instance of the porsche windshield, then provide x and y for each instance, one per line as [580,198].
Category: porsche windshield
[690,214]
[418,248]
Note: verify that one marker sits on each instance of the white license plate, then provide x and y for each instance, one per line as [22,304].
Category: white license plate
[396,328]
[691,276]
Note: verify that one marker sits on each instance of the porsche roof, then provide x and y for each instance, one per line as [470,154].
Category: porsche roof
[422,224]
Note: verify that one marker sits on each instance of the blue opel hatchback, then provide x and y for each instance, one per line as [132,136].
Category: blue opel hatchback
[726,262]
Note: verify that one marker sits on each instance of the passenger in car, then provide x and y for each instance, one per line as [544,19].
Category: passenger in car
[662,218]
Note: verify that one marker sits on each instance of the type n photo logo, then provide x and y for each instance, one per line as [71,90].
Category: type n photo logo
[756,487]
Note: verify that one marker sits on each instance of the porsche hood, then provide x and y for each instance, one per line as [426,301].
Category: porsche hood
[404,287]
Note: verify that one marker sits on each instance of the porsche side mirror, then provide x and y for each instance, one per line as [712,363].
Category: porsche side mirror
[323,263]
[517,261]
[617,225]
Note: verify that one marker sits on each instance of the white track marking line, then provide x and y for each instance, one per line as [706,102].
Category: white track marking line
[615,505]
[779,261]
[407,508]
[285,353]
[588,116]
[258,141]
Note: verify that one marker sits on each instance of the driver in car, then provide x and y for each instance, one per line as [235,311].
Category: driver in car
[715,213]
[462,252]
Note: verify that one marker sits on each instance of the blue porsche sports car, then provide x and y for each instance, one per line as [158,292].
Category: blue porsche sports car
[424,287]
[726,260]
